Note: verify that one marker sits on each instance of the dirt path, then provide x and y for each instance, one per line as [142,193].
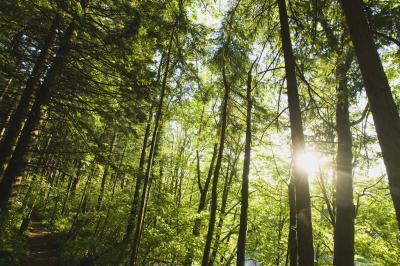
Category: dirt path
[42,249]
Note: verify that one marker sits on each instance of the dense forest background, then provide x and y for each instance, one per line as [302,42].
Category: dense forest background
[204,132]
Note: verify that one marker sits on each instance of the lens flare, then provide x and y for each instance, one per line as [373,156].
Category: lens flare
[312,163]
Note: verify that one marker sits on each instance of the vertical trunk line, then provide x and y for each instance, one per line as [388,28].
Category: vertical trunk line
[303,205]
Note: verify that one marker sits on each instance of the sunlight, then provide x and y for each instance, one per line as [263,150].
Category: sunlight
[312,162]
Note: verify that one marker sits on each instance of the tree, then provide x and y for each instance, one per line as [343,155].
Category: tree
[16,122]
[142,206]
[383,107]
[241,249]
[214,188]
[303,208]
[166,116]
[344,219]
[21,155]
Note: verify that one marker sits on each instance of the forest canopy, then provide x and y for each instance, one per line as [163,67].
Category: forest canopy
[200,132]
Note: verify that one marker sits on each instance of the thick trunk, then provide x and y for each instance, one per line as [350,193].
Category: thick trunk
[303,207]
[17,120]
[214,192]
[241,245]
[383,107]
[344,225]
[344,218]
[21,154]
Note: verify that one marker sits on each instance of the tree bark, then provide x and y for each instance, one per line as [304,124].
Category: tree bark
[303,206]
[146,179]
[106,171]
[17,54]
[81,203]
[344,224]
[75,181]
[241,244]
[292,242]
[214,192]
[21,154]
[203,193]
[230,173]
[17,120]
[202,201]
[139,177]
[344,218]
[383,107]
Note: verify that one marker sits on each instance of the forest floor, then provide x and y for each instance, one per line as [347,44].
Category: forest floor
[41,245]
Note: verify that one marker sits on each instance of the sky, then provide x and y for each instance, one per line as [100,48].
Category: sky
[211,15]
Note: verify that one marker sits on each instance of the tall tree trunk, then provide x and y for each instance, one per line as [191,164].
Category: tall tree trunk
[70,191]
[203,193]
[17,54]
[241,244]
[344,225]
[292,242]
[75,181]
[16,122]
[66,198]
[230,173]
[42,152]
[151,179]
[344,220]
[202,201]
[383,107]
[21,154]
[81,203]
[108,215]
[140,174]
[56,199]
[139,177]
[303,207]
[106,171]
[146,179]
[10,95]
[214,192]
[281,226]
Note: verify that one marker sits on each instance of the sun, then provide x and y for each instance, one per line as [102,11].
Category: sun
[312,163]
